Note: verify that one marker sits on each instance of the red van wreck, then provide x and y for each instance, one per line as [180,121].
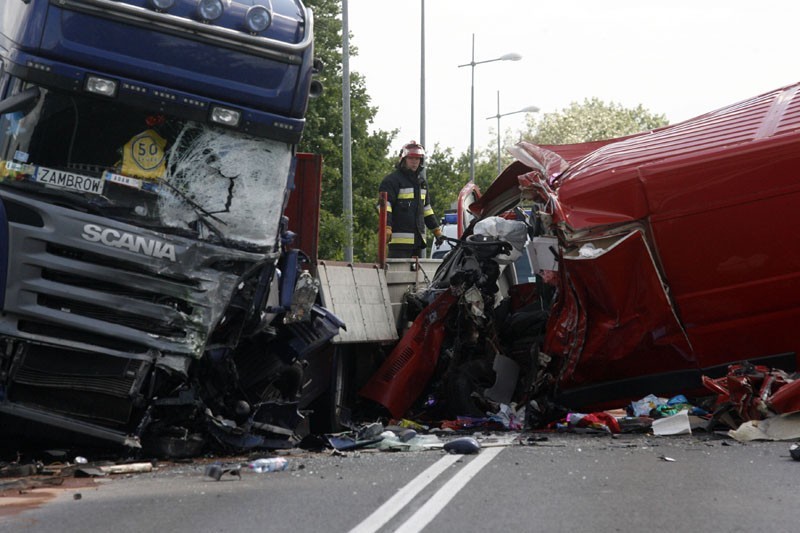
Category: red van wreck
[691,231]
[675,256]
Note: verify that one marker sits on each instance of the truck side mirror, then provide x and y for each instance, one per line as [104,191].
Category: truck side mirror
[22,101]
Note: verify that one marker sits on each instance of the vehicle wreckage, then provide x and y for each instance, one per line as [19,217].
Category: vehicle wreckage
[660,258]
[150,294]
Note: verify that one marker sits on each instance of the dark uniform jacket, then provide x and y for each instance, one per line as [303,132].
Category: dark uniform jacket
[408,209]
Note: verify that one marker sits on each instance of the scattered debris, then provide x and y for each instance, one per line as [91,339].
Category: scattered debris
[269,464]
[88,471]
[794,451]
[463,445]
[754,392]
[216,471]
[780,427]
[677,424]
[345,442]
[132,468]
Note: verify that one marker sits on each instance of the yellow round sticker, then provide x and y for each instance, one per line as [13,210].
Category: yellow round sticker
[144,155]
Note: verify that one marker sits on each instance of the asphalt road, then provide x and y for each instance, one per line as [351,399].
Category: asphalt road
[568,482]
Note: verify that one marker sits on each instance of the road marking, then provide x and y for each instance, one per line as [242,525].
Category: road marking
[395,504]
[428,512]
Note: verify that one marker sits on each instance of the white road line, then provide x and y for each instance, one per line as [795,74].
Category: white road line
[428,512]
[395,504]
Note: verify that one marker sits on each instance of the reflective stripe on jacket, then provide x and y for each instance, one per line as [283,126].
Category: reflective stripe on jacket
[408,210]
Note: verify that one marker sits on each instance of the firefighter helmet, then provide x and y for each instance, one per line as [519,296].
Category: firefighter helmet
[412,149]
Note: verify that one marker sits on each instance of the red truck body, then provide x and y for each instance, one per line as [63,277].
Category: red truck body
[694,262]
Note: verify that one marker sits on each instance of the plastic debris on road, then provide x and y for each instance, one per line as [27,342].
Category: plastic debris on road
[216,471]
[463,446]
[270,464]
[794,451]
[776,428]
[677,424]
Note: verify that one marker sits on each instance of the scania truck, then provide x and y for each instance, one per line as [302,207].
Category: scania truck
[149,295]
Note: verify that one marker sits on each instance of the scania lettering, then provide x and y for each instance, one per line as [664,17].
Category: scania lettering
[134,243]
[156,129]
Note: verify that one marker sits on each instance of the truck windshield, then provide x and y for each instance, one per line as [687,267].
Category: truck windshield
[145,168]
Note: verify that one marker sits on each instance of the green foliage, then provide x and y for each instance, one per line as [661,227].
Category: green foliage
[447,173]
[486,168]
[332,236]
[323,135]
[593,120]
[446,176]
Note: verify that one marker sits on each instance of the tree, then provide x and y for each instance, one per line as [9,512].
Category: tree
[323,135]
[593,120]
[446,176]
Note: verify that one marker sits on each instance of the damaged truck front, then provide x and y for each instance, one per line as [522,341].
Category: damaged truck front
[147,150]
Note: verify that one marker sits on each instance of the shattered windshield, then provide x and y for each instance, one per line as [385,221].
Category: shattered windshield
[149,169]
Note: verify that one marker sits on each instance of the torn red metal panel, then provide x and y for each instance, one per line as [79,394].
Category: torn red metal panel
[787,398]
[503,194]
[756,392]
[404,374]
[628,325]
[467,196]
[574,152]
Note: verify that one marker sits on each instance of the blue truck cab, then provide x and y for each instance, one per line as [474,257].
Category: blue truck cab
[147,151]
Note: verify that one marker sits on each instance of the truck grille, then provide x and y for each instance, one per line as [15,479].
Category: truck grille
[97,312]
[63,288]
[114,288]
[89,386]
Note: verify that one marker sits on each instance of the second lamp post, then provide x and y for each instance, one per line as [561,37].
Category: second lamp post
[506,57]
[529,109]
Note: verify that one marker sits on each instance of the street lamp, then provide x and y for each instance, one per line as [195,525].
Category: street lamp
[507,57]
[529,109]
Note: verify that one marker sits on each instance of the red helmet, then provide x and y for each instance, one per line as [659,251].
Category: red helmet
[412,149]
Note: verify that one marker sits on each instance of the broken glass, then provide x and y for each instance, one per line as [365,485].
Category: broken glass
[153,170]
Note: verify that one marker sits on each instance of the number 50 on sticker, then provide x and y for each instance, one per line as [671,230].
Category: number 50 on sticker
[144,155]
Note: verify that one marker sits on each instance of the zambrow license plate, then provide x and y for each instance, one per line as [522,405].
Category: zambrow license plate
[68,180]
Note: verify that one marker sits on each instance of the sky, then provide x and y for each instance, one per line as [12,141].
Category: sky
[679,58]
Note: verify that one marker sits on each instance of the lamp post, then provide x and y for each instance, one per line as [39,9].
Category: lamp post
[529,109]
[347,170]
[507,57]
[422,73]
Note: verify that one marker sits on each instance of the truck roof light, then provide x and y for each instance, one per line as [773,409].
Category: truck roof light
[225,116]
[101,86]
[162,5]
[257,19]
[209,10]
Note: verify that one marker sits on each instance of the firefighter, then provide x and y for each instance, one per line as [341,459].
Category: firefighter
[409,208]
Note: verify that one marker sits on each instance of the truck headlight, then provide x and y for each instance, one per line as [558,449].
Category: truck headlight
[257,19]
[209,9]
[225,116]
[162,5]
[101,86]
